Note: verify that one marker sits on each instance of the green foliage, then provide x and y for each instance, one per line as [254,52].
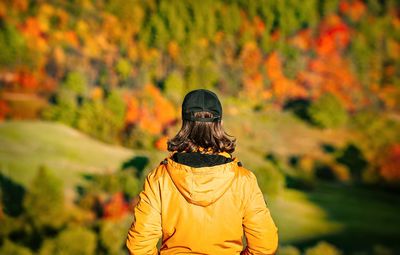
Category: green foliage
[377,131]
[270,180]
[73,240]
[328,7]
[328,112]
[323,248]
[99,121]
[11,196]
[352,157]
[116,105]
[44,203]
[123,68]
[288,250]
[65,110]
[229,18]
[112,237]
[111,183]
[11,248]
[76,82]
[174,87]
[13,48]
[137,138]
[130,185]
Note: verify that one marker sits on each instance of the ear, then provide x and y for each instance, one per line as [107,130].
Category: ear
[222,122]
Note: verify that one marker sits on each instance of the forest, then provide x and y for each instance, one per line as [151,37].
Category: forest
[91,90]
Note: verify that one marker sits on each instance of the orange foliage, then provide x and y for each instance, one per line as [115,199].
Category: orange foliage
[282,87]
[27,81]
[97,93]
[20,5]
[275,35]
[273,66]
[71,38]
[173,50]
[259,26]
[334,35]
[4,109]
[132,112]
[353,9]
[390,167]
[218,37]
[148,122]
[329,71]
[251,58]
[34,31]
[150,110]
[3,10]
[161,143]
[116,207]
[332,74]
[390,95]
[302,39]
[253,85]
[162,109]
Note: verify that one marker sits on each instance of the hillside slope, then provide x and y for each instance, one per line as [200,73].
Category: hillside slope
[25,145]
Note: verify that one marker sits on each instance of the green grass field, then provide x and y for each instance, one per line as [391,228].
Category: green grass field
[352,218]
[26,145]
[355,219]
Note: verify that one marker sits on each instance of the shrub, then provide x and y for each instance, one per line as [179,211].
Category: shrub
[73,240]
[44,201]
[328,112]
[11,248]
[288,250]
[112,236]
[323,248]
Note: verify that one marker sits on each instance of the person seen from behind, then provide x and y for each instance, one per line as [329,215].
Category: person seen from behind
[200,199]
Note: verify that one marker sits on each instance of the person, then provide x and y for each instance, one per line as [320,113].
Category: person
[200,199]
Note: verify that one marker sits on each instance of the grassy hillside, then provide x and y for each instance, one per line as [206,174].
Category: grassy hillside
[25,145]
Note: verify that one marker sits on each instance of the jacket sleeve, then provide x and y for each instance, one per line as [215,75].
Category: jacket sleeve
[259,227]
[146,230]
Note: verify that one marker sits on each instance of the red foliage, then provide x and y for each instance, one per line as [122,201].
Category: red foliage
[116,207]
[4,109]
[329,71]
[334,35]
[27,81]
[390,166]
[259,26]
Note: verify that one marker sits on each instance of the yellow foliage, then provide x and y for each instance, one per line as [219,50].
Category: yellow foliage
[97,93]
[173,49]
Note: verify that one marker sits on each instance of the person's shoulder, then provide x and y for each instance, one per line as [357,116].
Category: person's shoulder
[157,172]
[244,173]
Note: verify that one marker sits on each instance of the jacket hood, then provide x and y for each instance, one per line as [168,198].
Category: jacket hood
[202,185]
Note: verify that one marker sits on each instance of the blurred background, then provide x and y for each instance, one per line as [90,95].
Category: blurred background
[90,91]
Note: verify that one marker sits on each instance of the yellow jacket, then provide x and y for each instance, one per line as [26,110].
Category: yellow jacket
[201,210]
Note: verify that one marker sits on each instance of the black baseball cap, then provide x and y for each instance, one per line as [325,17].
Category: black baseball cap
[201,100]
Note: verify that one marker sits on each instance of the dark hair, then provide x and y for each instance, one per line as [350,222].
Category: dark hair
[208,135]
